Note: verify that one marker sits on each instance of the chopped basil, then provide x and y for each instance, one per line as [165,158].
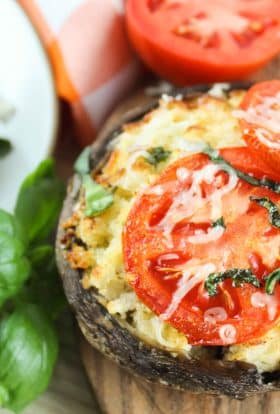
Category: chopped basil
[238,276]
[82,164]
[97,197]
[156,155]
[226,166]
[273,211]
[271,280]
[5,147]
[220,222]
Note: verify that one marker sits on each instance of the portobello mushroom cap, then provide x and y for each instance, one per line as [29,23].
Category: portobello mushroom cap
[106,333]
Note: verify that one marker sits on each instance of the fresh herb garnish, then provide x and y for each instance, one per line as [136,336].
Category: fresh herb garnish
[30,291]
[273,211]
[82,164]
[5,147]
[14,265]
[28,351]
[39,201]
[216,158]
[219,223]
[271,280]
[238,276]
[97,198]
[156,155]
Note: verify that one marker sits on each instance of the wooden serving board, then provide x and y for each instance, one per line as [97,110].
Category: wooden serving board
[119,392]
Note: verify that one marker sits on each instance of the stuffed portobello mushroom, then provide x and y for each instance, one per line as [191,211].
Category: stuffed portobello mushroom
[169,239]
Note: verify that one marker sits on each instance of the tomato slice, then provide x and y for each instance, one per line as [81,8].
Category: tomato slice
[171,243]
[188,41]
[260,120]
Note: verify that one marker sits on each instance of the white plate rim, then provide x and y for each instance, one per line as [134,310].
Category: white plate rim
[55,99]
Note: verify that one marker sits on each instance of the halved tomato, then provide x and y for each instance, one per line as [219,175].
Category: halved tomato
[260,120]
[189,41]
[196,220]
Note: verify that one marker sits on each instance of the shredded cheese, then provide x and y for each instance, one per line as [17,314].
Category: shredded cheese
[261,300]
[192,276]
[187,202]
[217,314]
[227,334]
[266,117]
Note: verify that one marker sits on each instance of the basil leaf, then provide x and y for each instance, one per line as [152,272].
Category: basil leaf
[5,147]
[28,351]
[216,158]
[238,276]
[82,164]
[97,197]
[41,255]
[220,222]
[45,278]
[156,155]
[273,211]
[271,280]
[39,201]
[14,266]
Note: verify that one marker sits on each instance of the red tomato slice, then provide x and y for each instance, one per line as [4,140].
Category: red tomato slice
[260,120]
[189,41]
[171,246]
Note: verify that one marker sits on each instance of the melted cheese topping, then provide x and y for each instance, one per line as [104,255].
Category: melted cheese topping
[227,333]
[192,275]
[214,315]
[188,201]
[261,300]
[181,128]
[266,116]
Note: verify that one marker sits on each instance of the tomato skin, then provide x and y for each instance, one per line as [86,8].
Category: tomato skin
[253,97]
[144,244]
[161,54]
[251,161]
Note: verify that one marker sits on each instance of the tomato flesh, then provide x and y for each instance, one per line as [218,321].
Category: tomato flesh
[193,40]
[171,246]
[260,120]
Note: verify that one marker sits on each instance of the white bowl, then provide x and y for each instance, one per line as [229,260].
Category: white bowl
[26,82]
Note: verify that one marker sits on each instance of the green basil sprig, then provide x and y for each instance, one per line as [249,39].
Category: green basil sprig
[216,158]
[44,278]
[271,280]
[273,211]
[219,223]
[5,147]
[97,198]
[39,201]
[156,155]
[14,265]
[238,276]
[28,351]
[30,291]
[82,164]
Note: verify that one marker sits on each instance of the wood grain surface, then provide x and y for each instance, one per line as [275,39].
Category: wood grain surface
[119,392]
